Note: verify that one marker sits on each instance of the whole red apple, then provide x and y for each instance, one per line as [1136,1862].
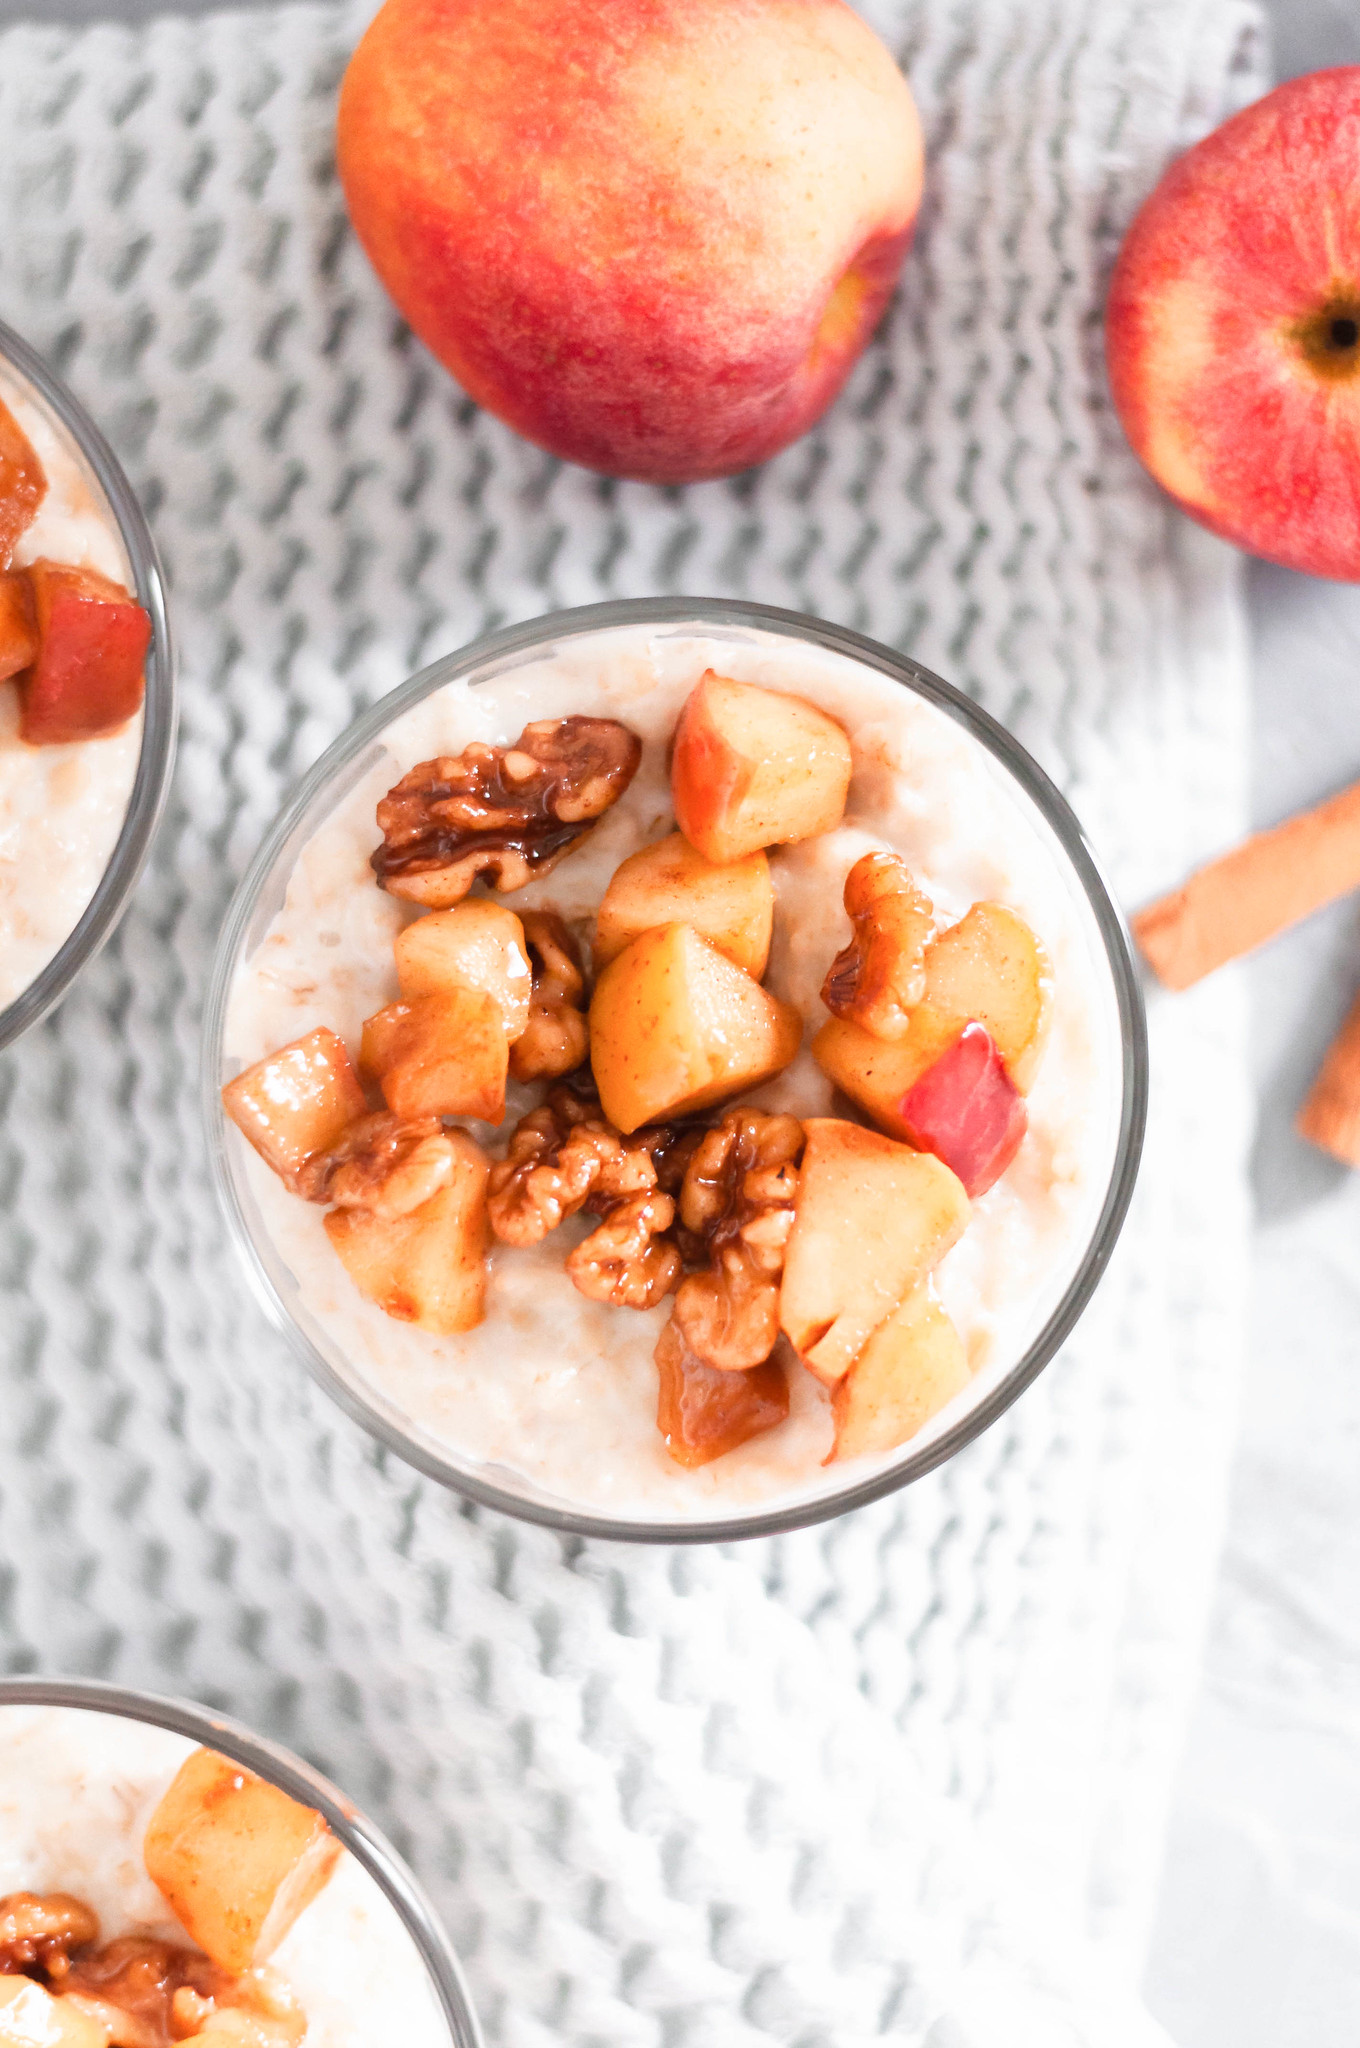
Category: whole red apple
[1233,327]
[652,235]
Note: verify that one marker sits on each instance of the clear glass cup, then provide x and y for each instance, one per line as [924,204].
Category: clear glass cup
[267,1760]
[261,894]
[151,784]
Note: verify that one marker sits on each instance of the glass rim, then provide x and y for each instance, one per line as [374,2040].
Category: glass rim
[365,1842]
[553,628]
[150,788]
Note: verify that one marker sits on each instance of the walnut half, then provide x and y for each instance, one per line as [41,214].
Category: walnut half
[383,1163]
[556,1038]
[879,978]
[736,1209]
[508,813]
[563,1158]
[39,1931]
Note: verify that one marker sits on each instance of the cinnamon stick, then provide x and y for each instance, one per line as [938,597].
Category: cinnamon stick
[1267,883]
[1331,1115]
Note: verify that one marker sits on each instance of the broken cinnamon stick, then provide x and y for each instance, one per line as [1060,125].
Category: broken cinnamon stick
[1270,881]
[1331,1115]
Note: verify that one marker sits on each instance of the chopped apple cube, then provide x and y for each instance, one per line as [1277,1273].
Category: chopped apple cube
[31,2017]
[730,904]
[440,1055]
[990,969]
[967,1111]
[87,678]
[871,1220]
[428,1266]
[235,1859]
[297,1101]
[18,626]
[23,485]
[476,944]
[704,1412]
[911,1366]
[753,768]
[675,1027]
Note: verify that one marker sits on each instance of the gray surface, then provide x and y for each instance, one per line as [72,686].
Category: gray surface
[1258,1942]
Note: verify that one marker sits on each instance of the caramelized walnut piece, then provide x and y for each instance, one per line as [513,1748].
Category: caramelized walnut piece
[150,1994]
[877,980]
[736,1210]
[38,1933]
[628,1261]
[386,1164]
[556,1038]
[562,1159]
[508,813]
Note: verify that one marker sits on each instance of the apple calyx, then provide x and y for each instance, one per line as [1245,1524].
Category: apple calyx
[1329,338]
[967,1111]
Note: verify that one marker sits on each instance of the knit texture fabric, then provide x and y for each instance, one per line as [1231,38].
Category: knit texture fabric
[901,1776]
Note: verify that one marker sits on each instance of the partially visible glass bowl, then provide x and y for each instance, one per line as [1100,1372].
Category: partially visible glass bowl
[262,892]
[147,797]
[267,1760]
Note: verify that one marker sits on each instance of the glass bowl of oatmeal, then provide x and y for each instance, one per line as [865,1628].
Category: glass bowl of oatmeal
[710,1060]
[87,690]
[166,1875]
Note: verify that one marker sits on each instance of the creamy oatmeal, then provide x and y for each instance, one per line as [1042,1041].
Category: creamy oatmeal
[62,805]
[555,1392]
[78,1789]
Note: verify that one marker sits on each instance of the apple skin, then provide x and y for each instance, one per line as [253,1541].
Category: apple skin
[1233,328]
[651,235]
[967,1111]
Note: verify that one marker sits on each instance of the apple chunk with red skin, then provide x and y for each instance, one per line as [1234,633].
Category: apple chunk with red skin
[872,1218]
[652,238]
[967,1111]
[676,1027]
[730,903]
[753,767]
[87,677]
[18,626]
[296,1101]
[23,483]
[428,1266]
[235,1858]
[1232,329]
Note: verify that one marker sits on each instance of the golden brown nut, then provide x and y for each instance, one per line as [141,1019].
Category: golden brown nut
[628,1261]
[736,1211]
[508,813]
[40,1931]
[880,976]
[559,1162]
[556,1039]
[385,1163]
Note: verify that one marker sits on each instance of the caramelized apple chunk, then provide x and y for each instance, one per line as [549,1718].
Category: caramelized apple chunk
[556,1036]
[703,1412]
[439,1055]
[32,2017]
[235,1858]
[880,977]
[297,1101]
[18,624]
[990,969]
[872,1219]
[87,678]
[967,1111]
[506,813]
[477,944]
[752,767]
[913,1364]
[730,903]
[425,1265]
[23,484]
[676,1027]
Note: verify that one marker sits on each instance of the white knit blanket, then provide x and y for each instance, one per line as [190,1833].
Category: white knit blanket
[902,1776]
